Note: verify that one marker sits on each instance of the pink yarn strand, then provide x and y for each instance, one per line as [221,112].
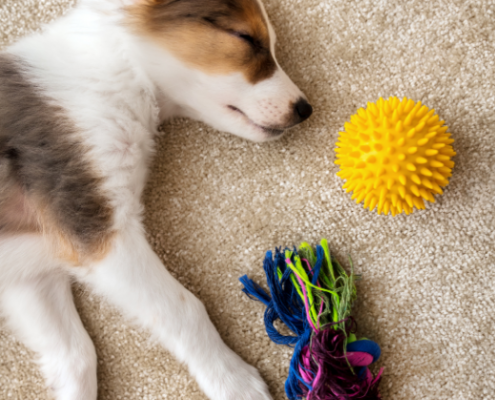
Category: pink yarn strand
[306,302]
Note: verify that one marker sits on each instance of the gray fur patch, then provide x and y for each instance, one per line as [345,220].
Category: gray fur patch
[41,164]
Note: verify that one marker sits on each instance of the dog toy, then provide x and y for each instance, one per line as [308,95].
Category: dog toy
[312,294]
[394,155]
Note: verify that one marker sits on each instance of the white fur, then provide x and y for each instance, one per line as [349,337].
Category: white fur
[36,299]
[117,88]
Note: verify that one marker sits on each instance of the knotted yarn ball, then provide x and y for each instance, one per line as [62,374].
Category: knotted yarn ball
[312,294]
[394,154]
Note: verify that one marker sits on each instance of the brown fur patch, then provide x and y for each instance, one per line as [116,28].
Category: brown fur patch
[16,214]
[216,36]
[46,183]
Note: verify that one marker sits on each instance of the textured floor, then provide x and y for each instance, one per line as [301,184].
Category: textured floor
[215,203]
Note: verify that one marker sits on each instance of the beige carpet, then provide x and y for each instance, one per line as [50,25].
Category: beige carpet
[215,203]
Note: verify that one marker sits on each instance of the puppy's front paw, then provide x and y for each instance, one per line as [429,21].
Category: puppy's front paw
[248,385]
[236,380]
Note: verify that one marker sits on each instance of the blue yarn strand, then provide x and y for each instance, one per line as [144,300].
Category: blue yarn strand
[320,255]
[292,384]
[254,291]
[288,312]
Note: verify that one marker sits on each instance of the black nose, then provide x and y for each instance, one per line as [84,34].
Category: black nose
[303,109]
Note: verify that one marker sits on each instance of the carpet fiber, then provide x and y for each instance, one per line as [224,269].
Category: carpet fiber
[215,203]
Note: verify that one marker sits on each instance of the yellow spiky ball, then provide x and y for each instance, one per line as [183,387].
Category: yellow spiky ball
[394,155]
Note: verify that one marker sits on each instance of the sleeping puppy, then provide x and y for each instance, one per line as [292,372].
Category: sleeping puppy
[79,108]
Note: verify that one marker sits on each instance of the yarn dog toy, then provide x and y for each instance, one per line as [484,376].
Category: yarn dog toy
[394,155]
[312,294]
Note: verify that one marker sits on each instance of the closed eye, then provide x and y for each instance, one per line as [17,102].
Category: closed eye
[244,36]
[249,39]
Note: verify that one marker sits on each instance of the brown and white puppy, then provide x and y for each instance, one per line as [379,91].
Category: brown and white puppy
[79,107]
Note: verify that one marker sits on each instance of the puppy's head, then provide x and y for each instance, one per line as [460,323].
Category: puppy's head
[215,60]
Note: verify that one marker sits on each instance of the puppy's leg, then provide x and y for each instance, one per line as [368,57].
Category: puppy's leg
[39,308]
[133,278]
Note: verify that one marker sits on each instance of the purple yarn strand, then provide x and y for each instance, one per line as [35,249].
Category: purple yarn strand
[336,379]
